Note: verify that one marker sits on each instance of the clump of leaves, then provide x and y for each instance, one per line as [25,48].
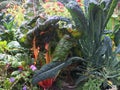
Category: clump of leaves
[17,11]
[56,8]
[92,84]
[33,8]
[7,31]
[95,45]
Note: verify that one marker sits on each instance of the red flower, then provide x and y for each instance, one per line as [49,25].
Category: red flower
[20,67]
[53,9]
[47,6]
[46,83]
[59,4]
[78,0]
[119,4]
[46,0]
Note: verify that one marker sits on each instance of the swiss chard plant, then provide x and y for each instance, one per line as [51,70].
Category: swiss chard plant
[42,36]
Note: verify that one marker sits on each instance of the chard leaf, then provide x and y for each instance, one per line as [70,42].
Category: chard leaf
[62,49]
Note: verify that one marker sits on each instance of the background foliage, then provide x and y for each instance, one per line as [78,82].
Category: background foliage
[59,44]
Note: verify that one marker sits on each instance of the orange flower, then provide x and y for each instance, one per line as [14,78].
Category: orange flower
[53,9]
[60,10]
[15,7]
[23,10]
[47,0]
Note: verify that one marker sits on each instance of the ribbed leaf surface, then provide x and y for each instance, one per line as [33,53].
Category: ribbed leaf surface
[62,49]
[77,14]
[47,71]
[52,69]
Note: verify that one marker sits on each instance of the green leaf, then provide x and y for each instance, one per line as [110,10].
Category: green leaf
[103,53]
[117,37]
[15,73]
[116,28]
[95,16]
[108,42]
[14,44]
[7,84]
[47,71]
[52,69]
[1,17]
[8,22]
[3,46]
[77,14]
[80,79]
[62,49]
[15,63]
[118,49]
[2,89]
[2,56]
[110,6]
[86,4]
